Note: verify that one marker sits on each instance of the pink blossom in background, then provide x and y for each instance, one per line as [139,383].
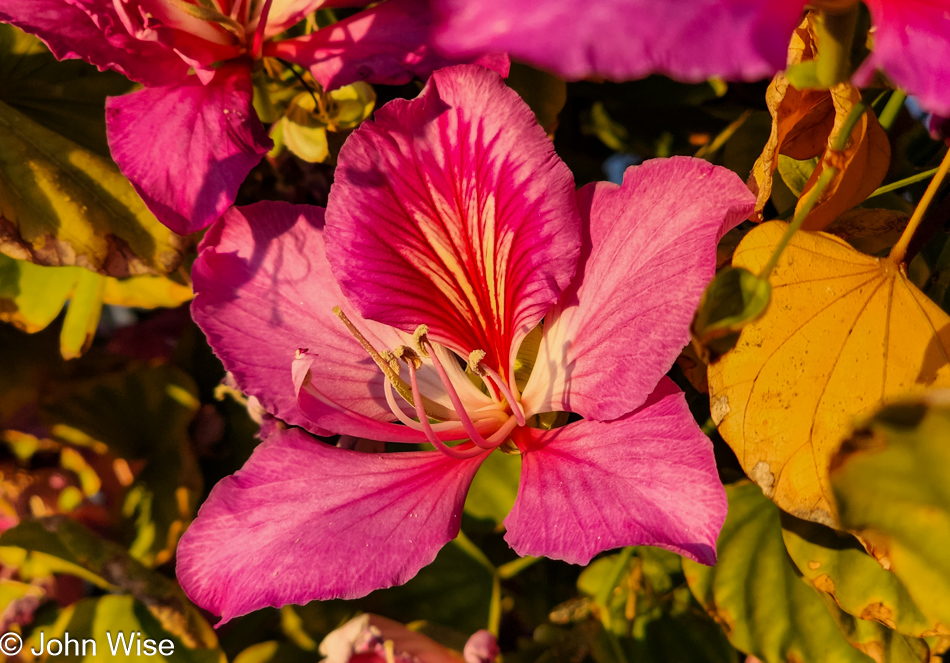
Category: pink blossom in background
[363,639]
[692,40]
[186,142]
[452,230]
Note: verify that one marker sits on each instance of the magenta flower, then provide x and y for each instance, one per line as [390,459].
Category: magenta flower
[452,230]
[693,40]
[186,142]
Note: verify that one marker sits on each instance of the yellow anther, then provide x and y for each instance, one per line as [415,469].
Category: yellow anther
[419,338]
[474,362]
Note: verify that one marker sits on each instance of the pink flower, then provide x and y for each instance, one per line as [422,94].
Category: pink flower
[186,142]
[453,211]
[366,639]
[693,40]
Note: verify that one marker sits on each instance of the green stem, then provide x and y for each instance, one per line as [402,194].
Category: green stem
[514,567]
[893,186]
[613,578]
[897,253]
[710,148]
[494,609]
[893,107]
[474,552]
[827,176]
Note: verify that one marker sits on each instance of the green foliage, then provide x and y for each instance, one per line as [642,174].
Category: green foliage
[892,483]
[758,596]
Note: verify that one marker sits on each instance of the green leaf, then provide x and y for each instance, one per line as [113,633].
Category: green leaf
[495,487]
[735,298]
[32,296]
[453,590]
[73,544]
[139,414]
[67,97]
[836,563]
[546,94]
[756,594]
[96,620]
[795,173]
[891,480]
[61,204]
[652,613]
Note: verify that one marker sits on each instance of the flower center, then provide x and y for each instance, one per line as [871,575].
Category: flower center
[487,426]
[228,23]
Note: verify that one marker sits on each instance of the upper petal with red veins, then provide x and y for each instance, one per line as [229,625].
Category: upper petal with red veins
[388,43]
[912,46]
[647,479]
[650,252]
[452,210]
[92,32]
[626,39]
[187,149]
[263,290]
[304,521]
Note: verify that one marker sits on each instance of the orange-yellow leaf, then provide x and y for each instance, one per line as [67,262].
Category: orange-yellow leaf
[844,333]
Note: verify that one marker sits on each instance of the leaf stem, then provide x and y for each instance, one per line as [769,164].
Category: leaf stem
[607,587]
[893,186]
[891,109]
[716,143]
[514,567]
[827,176]
[897,253]
[494,609]
[474,552]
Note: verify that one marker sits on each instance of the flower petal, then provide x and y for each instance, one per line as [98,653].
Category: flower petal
[626,39]
[452,210]
[263,290]
[187,149]
[650,252]
[93,32]
[646,479]
[388,43]
[303,520]
[912,46]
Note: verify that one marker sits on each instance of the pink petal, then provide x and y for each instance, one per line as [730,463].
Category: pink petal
[388,43]
[650,252]
[912,46]
[626,39]
[452,210]
[263,290]
[646,479]
[187,149]
[90,30]
[304,521]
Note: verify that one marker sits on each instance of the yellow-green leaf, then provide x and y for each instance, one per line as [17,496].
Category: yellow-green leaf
[891,480]
[755,593]
[62,204]
[836,563]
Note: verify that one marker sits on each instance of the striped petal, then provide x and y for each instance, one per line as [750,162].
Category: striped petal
[452,210]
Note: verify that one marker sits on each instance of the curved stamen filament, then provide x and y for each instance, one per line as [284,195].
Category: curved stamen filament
[456,401]
[434,410]
[259,33]
[506,390]
[427,427]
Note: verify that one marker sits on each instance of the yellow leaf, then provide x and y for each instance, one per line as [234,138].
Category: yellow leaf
[844,333]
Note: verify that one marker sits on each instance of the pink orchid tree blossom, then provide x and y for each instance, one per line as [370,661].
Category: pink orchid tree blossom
[693,40]
[453,232]
[187,141]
